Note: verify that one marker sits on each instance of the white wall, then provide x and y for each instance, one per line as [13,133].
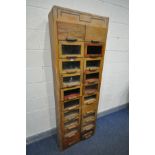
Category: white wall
[40,96]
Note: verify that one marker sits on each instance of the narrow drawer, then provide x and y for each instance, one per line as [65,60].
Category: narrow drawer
[70,105]
[70,31]
[88,127]
[91,78]
[71,49]
[71,93]
[71,80]
[90,99]
[94,50]
[72,115]
[68,126]
[92,65]
[89,109]
[96,34]
[70,66]
[88,118]
[91,89]
[87,134]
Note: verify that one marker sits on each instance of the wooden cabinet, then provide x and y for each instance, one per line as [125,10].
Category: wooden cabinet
[78,42]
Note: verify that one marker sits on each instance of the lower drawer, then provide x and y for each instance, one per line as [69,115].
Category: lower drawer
[87,134]
[90,126]
[71,139]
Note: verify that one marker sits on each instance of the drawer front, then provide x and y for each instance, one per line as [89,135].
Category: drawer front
[69,126]
[68,141]
[70,66]
[89,109]
[71,105]
[91,89]
[92,65]
[70,32]
[71,115]
[96,34]
[91,78]
[71,80]
[89,118]
[88,127]
[71,49]
[87,134]
[71,93]
[90,99]
[94,49]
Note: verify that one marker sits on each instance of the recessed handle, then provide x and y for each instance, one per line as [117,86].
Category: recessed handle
[95,41]
[71,39]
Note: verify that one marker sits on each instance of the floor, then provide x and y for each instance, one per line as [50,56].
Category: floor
[111,138]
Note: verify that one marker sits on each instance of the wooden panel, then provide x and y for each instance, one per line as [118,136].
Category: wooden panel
[69,31]
[95,34]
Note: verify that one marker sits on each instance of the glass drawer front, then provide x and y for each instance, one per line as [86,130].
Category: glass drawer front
[91,78]
[71,105]
[92,65]
[94,50]
[91,89]
[70,93]
[71,50]
[71,66]
[71,80]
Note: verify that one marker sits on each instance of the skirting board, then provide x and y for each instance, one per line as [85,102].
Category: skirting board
[51,132]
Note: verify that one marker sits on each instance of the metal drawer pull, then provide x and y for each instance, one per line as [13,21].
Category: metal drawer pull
[71,39]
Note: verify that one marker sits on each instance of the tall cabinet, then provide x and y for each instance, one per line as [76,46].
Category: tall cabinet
[78,42]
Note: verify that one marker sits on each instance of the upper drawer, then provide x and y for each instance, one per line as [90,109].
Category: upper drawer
[71,49]
[96,34]
[70,66]
[70,32]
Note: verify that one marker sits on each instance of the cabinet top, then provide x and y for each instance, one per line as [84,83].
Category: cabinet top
[74,16]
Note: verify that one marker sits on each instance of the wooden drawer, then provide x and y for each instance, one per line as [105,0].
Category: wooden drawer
[71,105]
[92,65]
[70,31]
[71,49]
[88,127]
[90,78]
[71,138]
[91,89]
[71,115]
[89,109]
[70,66]
[68,126]
[94,49]
[96,34]
[71,93]
[90,99]
[87,134]
[71,80]
[88,118]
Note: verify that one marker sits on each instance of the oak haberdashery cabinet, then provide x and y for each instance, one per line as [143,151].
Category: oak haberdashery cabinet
[78,42]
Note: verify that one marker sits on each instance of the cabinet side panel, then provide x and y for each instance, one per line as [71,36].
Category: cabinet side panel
[55,65]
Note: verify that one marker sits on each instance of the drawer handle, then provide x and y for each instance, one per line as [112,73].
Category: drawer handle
[70,72]
[95,41]
[71,39]
[71,127]
[71,57]
[91,69]
[89,112]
